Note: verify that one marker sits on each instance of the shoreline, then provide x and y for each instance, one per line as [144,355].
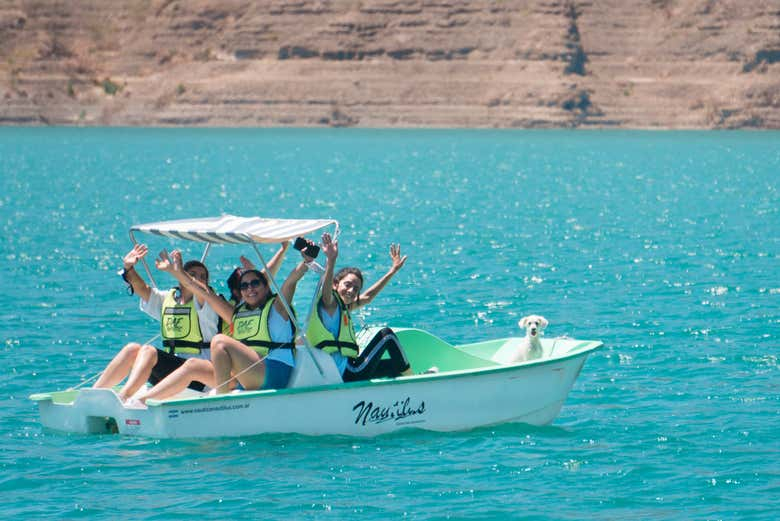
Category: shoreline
[581,130]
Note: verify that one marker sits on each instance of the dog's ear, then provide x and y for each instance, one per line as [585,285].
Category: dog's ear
[523,322]
[544,322]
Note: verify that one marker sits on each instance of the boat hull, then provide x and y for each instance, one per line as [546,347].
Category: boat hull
[531,393]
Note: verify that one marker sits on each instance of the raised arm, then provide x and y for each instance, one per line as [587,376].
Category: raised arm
[246,264]
[290,283]
[276,261]
[331,250]
[139,285]
[172,264]
[273,265]
[373,291]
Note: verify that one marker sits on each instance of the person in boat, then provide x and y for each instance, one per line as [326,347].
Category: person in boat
[187,327]
[259,352]
[330,322]
[234,278]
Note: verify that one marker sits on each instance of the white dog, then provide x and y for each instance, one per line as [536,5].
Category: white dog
[529,347]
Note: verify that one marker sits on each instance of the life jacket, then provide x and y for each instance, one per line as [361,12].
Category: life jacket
[180,327]
[319,336]
[250,326]
[223,326]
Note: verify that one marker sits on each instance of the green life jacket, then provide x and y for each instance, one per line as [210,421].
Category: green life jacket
[250,326]
[319,336]
[222,326]
[180,327]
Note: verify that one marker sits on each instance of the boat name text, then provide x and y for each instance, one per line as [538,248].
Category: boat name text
[378,413]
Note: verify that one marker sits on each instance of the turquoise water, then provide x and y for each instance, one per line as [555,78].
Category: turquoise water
[663,245]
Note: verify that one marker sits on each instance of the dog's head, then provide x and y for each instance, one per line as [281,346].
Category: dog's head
[533,324]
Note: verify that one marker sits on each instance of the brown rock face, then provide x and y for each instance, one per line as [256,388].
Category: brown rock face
[385,63]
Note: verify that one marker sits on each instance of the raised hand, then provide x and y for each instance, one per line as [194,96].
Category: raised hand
[176,259]
[330,248]
[138,252]
[395,255]
[163,261]
[246,263]
[309,245]
[306,258]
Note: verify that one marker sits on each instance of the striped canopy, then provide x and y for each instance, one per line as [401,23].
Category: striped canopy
[230,229]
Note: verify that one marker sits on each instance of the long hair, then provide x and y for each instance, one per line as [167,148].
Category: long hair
[343,272]
[349,270]
[233,282]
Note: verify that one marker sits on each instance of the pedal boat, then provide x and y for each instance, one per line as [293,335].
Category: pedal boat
[460,387]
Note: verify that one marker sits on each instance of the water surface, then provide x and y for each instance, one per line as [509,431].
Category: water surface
[664,245]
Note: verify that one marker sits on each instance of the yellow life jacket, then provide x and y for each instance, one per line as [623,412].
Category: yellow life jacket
[180,327]
[222,326]
[250,326]
[319,336]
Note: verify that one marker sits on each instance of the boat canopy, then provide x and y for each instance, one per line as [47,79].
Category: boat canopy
[231,229]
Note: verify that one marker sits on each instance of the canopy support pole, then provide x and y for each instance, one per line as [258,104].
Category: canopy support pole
[287,307]
[146,266]
[205,253]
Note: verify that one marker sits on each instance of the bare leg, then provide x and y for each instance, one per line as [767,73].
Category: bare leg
[119,367]
[177,381]
[229,355]
[142,369]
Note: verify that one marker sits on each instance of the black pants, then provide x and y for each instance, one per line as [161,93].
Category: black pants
[166,364]
[369,363]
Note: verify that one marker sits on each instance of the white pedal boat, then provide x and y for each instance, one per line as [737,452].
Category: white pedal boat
[469,389]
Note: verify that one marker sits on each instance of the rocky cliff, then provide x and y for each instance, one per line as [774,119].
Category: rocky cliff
[392,63]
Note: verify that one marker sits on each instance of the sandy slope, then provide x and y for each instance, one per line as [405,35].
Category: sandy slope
[439,63]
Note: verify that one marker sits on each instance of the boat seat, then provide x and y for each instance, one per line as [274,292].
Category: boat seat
[313,367]
[424,350]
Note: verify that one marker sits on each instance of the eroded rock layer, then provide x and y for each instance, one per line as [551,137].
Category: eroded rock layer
[384,63]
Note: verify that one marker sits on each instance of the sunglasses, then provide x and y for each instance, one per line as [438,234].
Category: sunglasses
[254,283]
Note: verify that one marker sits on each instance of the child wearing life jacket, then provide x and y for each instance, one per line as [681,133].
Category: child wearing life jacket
[330,322]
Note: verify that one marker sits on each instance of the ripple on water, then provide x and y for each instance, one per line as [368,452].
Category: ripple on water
[630,238]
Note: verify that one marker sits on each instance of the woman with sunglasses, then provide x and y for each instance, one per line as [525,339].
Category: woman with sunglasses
[259,351]
[330,323]
[235,276]
[187,325]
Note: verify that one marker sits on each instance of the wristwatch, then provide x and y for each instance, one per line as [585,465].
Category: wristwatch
[123,273]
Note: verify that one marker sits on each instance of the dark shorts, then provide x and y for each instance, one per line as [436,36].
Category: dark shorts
[277,374]
[166,364]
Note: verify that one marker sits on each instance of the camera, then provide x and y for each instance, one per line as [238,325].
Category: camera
[306,247]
